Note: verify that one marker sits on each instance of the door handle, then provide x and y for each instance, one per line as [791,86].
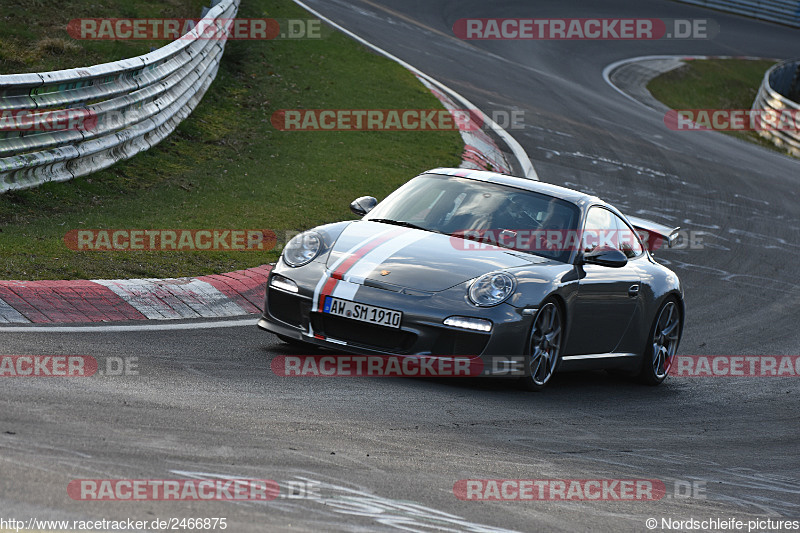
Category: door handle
[633,290]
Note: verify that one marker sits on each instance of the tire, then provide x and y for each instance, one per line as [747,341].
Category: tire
[662,343]
[544,346]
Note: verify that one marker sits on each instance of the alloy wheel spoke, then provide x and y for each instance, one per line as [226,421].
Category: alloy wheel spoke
[671,310]
[669,328]
[664,360]
[538,361]
[548,365]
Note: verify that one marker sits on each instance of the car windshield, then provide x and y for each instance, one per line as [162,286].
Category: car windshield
[485,212]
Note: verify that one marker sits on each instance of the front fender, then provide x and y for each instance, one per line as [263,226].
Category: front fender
[537,282]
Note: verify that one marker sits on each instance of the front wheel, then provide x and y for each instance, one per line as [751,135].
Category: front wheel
[665,335]
[544,347]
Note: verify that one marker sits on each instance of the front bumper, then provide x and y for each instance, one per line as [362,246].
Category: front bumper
[422,331]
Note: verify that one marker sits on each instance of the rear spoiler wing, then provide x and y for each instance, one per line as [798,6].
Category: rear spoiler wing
[653,234]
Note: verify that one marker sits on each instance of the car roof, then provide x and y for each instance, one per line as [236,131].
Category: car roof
[570,195]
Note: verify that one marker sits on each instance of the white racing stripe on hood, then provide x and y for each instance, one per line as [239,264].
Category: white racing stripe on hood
[333,267]
[370,262]
[345,290]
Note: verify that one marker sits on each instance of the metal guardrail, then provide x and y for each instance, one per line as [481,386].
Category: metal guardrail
[780,92]
[136,102]
[782,11]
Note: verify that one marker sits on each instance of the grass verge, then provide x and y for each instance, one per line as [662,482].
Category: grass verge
[227,166]
[714,84]
[34,38]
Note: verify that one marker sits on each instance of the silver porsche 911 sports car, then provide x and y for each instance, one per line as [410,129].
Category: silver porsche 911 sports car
[529,277]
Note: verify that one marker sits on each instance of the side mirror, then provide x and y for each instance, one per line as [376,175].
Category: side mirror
[362,206]
[607,257]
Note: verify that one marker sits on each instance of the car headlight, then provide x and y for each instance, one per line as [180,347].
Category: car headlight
[492,289]
[302,249]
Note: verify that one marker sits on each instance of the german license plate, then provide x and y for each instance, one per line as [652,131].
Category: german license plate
[365,313]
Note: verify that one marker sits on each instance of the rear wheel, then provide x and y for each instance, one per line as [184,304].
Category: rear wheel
[544,346]
[665,335]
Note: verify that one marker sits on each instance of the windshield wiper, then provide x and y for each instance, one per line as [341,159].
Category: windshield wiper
[401,223]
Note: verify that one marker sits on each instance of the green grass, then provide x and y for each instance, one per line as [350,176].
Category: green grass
[34,38]
[227,166]
[714,84]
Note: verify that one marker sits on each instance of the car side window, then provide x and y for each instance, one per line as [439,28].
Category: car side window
[628,240]
[600,224]
[603,228]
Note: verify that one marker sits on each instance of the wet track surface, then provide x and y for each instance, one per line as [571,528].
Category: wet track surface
[388,451]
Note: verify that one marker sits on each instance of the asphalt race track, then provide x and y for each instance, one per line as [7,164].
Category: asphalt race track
[386,453]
